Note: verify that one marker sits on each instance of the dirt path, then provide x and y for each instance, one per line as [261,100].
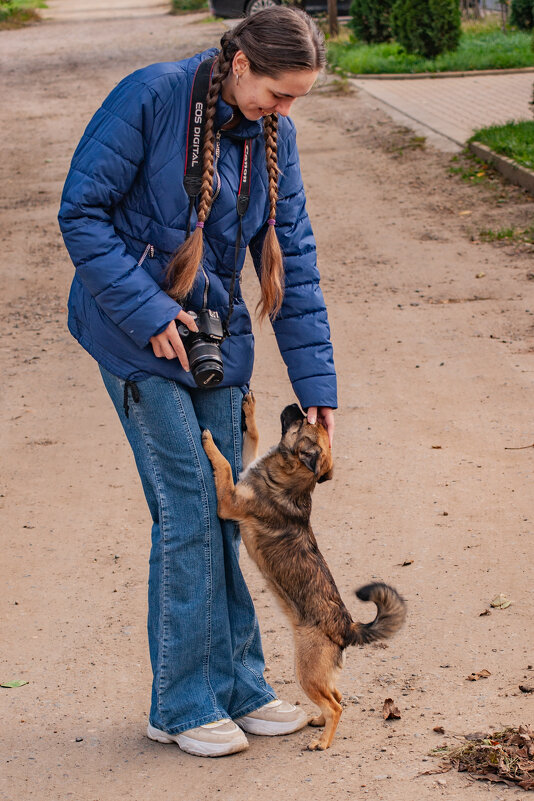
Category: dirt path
[436,377]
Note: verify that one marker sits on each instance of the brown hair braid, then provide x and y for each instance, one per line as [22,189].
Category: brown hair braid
[272,266]
[274,40]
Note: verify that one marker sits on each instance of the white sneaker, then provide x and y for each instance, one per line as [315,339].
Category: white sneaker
[210,740]
[276,717]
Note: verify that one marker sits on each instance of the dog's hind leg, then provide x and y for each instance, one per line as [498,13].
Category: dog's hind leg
[250,430]
[317,661]
[229,505]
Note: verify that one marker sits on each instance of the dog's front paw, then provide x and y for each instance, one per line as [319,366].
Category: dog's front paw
[249,410]
[207,439]
[316,745]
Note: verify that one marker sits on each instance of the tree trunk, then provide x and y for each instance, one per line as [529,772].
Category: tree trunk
[333,26]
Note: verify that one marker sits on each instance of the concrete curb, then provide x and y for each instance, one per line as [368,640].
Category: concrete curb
[517,174]
[415,76]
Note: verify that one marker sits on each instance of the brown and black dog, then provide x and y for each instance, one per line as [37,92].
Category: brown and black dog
[272,503]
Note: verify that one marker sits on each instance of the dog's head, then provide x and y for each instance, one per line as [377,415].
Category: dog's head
[308,443]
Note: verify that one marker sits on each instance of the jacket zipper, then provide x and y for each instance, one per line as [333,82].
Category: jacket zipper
[148,250]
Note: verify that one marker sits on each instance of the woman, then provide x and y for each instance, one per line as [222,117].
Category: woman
[124,213]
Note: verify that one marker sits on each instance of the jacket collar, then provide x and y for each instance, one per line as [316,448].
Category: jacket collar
[245,129]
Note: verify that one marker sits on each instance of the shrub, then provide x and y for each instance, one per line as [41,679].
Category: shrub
[371,20]
[427,27]
[522,14]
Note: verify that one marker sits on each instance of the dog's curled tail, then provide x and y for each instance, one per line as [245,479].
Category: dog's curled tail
[391,613]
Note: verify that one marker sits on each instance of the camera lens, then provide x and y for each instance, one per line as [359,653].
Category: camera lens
[206,363]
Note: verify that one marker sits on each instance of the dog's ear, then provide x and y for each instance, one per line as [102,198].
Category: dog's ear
[311,458]
[291,414]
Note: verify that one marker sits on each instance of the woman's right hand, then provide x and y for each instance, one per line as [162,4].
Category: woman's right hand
[169,345]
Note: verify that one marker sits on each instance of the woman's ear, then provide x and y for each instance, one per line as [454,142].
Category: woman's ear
[240,63]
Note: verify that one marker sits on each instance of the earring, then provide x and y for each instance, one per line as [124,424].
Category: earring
[237,78]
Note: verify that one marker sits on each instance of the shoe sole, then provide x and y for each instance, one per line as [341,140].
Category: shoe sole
[196,747]
[269,728]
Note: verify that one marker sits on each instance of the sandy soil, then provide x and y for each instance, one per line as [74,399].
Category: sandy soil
[436,378]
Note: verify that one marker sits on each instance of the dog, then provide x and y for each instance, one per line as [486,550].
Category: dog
[272,504]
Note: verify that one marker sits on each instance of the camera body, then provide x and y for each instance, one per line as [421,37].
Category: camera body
[203,348]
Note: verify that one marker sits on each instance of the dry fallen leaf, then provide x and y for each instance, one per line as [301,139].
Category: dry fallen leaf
[439,729]
[480,275]
[436,447]
[504,756]
[463,213]
[390,710]
[482,674]
[485,612]
[526,689]
[500,602]
[406,563]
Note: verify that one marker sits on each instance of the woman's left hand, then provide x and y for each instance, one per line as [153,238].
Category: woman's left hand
[324,415]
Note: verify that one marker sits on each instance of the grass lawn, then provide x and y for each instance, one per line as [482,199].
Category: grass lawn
[187,6]
[16,13]
[515,140]
[481,47]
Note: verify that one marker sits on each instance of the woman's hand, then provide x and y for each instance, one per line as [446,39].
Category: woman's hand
[169,345]
[324,415]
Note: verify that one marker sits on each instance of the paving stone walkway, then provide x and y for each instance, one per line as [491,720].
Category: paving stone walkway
[450,109]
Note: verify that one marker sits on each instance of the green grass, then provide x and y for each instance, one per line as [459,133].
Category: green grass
[186,6]
[480,49]
[19,11]
[508,235]
[515,140]
[470,169]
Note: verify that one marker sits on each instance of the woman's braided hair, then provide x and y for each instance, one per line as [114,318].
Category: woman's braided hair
[275,40]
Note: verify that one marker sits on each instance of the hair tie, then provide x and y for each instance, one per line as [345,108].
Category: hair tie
[271,221]
[199,224]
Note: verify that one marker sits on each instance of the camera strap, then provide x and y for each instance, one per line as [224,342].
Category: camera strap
[194,166]
[195,134]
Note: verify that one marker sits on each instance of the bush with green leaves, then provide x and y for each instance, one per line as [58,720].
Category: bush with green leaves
[522,14]
[370,20]
[427,27]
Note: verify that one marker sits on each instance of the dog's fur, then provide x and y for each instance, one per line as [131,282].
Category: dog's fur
[272,503]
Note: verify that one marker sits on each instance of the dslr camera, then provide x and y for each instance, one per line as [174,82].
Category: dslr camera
[203,348]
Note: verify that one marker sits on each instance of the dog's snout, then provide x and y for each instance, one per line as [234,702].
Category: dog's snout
[326,476]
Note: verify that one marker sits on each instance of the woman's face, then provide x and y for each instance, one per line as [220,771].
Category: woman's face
[258,95]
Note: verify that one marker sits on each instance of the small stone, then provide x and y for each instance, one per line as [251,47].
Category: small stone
[442,782]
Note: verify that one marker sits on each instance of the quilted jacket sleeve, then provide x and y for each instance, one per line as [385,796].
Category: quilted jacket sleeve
[103,169]
[301,327]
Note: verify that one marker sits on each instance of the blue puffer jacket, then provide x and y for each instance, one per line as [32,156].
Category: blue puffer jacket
[124,191]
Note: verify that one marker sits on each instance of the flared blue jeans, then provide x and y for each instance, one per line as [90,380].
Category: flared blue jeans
[203,634]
